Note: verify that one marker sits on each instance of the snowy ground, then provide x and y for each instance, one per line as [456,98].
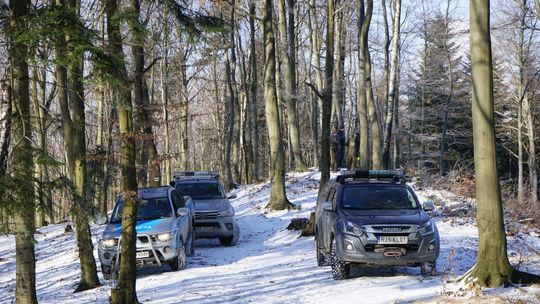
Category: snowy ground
[272,265]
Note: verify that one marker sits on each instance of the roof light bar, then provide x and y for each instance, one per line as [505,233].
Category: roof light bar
[396,175]
[180,174]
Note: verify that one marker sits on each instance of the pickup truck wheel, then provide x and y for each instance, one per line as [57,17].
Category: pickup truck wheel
[428,268]
[191,244]
[340,269]
[322,259]
[179,262]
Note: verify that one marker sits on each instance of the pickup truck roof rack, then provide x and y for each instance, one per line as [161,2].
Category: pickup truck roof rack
[195,174]
[395,176]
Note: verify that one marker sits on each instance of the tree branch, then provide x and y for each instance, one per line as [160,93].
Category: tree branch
[151,64]
[314,89]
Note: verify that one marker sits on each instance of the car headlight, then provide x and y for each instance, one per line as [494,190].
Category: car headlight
[164,237]
[353,228]
[427,228]
[228,212]
[108,243]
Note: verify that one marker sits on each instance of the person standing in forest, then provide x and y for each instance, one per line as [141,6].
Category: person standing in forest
[341,148]
[334,143]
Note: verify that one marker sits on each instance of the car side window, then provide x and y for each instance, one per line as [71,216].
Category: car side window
[177,201]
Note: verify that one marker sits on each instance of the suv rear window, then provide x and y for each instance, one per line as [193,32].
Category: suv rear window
[149,209]
[200,190]
[378,197]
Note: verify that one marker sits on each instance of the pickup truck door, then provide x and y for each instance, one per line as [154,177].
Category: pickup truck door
[182,222]
[329,218]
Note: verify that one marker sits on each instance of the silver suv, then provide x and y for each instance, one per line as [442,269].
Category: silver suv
[214,215]
[164,231]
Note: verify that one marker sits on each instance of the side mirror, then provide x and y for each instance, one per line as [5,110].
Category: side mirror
[182,211]
[172,183]
[328,206]
[232,196]
[428,206]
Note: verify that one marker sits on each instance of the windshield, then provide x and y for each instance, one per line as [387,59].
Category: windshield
[200,191]
[373,197]
[149,209]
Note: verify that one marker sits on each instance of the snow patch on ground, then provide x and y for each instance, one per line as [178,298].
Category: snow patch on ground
[273,265]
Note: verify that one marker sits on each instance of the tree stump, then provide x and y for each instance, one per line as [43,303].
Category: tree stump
[309,230]
[298,224]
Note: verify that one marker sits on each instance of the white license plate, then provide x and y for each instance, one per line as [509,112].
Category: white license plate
[143,254]
[393,240]
[205,228]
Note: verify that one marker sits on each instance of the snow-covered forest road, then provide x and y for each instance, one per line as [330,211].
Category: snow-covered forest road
[271,264]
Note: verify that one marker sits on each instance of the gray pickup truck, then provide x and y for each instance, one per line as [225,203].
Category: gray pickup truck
[214,215]
[164,231]
[373,218]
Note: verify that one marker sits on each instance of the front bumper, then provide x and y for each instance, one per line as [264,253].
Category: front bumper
[364,249]
[150,252]
[207,227]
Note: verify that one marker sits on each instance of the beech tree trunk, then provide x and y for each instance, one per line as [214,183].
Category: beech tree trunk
[361,103]
[373,117]
[254,129]
[492,267]
[392,85]
[21,162]
[278,198]
[150,165]
[125,291]
[288,56]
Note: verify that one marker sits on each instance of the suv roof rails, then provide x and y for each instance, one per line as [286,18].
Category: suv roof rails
[191,174]
[395,176]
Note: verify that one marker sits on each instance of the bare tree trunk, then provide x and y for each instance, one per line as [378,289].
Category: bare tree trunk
[373,117]
[137,49]
[278,198]
[361,104]
[442,150]
[392,85]
[230,131]
[253,90]
[21,163]
[125,291]
[337,96]
[533,176]
[327,96]
[164,75]
[288,56]
[316,61]
[492,267]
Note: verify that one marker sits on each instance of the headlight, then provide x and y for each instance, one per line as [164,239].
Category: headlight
[228,212]
[427,228]
[164,237]
[353,228]
[108,243]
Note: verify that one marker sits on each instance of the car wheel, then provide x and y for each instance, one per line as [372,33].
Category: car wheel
[322,260]
[191,244]
[340,269]
[179,261]
[428,268]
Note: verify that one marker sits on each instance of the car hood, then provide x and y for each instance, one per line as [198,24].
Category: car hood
[211,204]
[374,217]
[157,226]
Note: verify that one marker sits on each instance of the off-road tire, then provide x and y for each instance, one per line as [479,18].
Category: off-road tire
[428,268]
[229,240]
[322,259]
[179,262]
[340,269]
